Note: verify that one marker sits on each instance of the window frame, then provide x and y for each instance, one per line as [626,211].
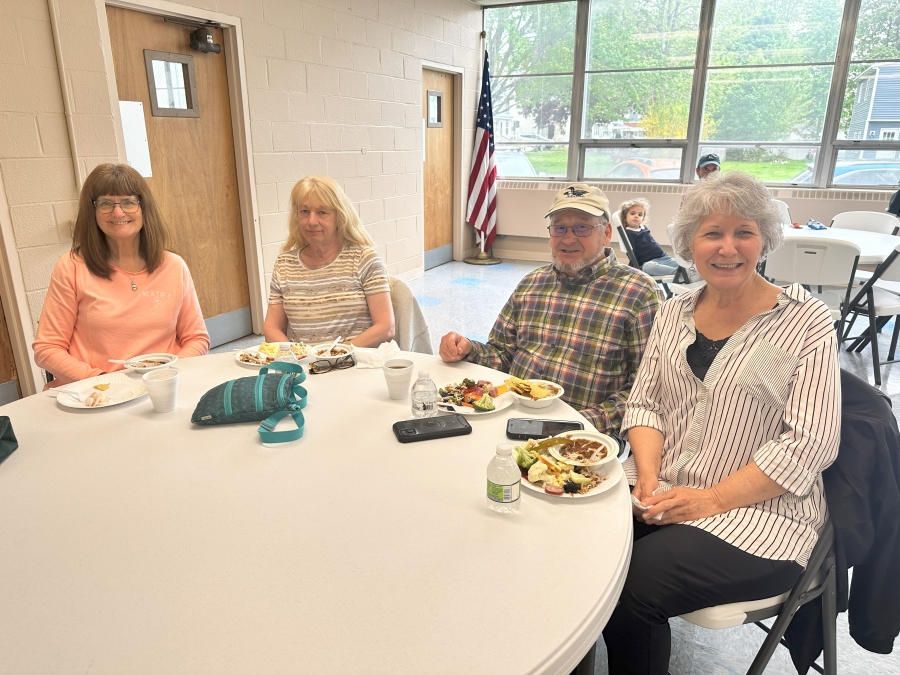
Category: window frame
[827,149]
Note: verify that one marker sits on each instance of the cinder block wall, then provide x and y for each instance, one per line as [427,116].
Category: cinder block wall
[334,88]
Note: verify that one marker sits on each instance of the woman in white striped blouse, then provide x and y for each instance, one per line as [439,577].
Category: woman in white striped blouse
[733,416]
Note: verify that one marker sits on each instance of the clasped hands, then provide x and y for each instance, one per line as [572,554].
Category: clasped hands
[677,505]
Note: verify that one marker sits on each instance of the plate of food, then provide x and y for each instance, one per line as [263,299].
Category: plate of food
[144,363]
[264,354]
[468,397]
[102,391]
[331,352]
[541,472]
[534,393]
[588,448]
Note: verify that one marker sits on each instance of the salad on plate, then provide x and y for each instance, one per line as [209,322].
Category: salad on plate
[478,396]
[556,477]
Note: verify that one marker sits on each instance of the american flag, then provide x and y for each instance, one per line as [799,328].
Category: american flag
[482,208]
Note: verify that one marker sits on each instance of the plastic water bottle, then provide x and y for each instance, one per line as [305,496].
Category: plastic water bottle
[503,481]
[424,395]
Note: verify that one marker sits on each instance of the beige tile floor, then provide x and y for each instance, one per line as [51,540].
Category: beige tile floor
[467,299]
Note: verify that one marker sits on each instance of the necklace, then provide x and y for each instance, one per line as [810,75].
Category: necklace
[134,286]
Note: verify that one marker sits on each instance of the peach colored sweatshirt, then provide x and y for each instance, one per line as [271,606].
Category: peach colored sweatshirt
[87,320]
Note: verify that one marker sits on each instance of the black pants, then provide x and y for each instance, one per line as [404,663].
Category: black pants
[674,570]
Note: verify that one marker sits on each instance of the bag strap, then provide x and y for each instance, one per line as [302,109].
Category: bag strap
[266,428]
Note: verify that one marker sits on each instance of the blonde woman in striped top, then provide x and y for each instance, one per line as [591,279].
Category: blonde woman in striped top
[733,415]
[328,281]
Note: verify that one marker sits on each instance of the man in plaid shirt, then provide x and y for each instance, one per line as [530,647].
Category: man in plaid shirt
[581,322]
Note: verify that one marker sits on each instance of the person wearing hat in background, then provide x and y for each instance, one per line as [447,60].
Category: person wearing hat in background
[582,321]
[708,165]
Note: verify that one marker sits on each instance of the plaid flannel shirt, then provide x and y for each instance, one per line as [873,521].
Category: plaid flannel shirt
[586,333]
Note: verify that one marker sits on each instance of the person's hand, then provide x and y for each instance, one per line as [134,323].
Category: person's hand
[643,488]
[681,504]
[454,347]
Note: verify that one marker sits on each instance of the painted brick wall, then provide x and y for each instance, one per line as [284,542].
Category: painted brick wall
[334,88]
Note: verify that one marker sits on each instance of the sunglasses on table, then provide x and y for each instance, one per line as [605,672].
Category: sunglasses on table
[577,230]
[318,367]
[127,205]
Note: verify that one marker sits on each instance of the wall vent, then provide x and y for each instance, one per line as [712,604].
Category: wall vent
[636,188]
[849,195]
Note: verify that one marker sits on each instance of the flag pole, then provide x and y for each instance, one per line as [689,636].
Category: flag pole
[483,257]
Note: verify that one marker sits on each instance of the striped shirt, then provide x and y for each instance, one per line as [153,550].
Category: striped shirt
[771,396]
[586,333]
[329,301]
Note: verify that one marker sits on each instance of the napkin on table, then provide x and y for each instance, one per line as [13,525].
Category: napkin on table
[366,357]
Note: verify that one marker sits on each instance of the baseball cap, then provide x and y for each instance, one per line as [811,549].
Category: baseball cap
[709,159]
[587,198]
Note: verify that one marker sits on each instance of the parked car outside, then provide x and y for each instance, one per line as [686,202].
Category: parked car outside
[513,164]
[646,169]
[857,172]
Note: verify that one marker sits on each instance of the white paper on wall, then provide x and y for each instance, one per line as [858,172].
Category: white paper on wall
[137,150]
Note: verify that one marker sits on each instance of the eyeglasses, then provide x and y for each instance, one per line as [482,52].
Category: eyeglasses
[318,367]
[577,230]
[127,205]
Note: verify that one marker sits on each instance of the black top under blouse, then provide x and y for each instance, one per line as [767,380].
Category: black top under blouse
[702,353]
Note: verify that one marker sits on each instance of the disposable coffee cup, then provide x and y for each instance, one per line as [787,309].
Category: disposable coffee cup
[162,385]
[398,375]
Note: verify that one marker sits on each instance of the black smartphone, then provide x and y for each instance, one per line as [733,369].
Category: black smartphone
[521,428]
[410,431]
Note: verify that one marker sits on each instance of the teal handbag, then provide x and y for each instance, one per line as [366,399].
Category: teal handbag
[267,398]
[8,442]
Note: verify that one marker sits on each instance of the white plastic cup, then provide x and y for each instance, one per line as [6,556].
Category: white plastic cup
[398,375]
[162,385]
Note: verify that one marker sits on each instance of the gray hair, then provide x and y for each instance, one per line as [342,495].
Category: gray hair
[735,194]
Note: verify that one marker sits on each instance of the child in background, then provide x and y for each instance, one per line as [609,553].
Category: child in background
[652,259]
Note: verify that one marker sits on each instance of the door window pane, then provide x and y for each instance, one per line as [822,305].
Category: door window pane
[632,163]
[525,39]
[867,167]
[627,34]
[801,31]
[168,77]
[778,164]
[766,104]
[643,104]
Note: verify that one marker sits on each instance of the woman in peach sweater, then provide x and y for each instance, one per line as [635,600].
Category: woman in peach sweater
[119,292]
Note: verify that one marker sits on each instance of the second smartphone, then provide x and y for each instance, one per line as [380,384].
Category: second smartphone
[521,428]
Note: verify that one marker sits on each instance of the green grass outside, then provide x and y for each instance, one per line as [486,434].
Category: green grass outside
[553,164]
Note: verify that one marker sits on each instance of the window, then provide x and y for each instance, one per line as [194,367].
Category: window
[532,51]
[659,84]
[173,90]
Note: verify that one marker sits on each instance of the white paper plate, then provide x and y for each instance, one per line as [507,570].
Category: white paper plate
[501,402]
[255,350]
[123,387]
[610,443]
[612,470]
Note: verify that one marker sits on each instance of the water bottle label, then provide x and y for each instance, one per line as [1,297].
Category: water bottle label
[504,494]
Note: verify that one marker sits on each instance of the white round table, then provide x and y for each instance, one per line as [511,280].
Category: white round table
[131,541]
[874,246]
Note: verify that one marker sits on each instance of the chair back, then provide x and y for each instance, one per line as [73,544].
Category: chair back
[617,224]
[410,328]
[625,243]
[868,221]
[681,261]
[784,211]
[889,270]
[814,262]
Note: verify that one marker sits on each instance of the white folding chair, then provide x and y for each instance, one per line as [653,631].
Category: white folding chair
[784,211]
[682,282]
[869,221]
[817,262]
[410,328]
[816,580]
[880,306]
[625,245]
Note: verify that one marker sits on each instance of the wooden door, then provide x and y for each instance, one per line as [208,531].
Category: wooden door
[438,170]
[9,378]
[193,165]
